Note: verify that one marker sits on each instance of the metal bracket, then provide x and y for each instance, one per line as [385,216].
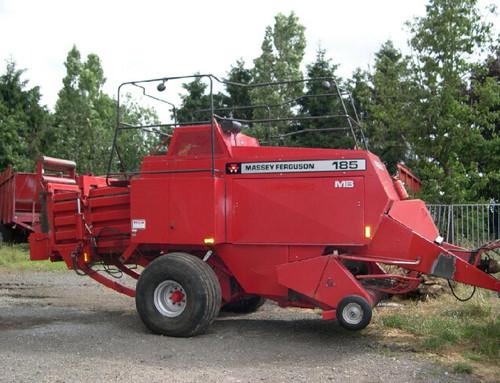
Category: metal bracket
[444,266]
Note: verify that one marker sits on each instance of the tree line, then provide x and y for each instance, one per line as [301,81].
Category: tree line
[81,126]
[435,109]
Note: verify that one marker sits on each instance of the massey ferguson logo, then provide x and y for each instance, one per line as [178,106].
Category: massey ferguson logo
[299,166]
[344,184]
[233,168]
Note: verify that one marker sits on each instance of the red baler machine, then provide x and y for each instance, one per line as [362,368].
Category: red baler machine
[221,221]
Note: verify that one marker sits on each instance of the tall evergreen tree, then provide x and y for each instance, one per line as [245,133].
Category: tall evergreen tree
[321,99]
[134,144]
[84,115]
[485,151]
[22,121]
[390,111]
[85,119]
[196,103]
[239,96]
[444,41]
[283,49]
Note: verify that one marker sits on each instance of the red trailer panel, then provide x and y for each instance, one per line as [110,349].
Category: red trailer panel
[19,201]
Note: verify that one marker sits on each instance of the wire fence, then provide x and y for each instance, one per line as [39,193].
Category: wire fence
[467,225]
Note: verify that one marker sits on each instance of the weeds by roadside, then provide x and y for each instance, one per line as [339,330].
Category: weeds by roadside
[465,335]
[16,257]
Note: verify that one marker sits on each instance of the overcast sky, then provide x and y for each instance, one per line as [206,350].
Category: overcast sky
[147,39]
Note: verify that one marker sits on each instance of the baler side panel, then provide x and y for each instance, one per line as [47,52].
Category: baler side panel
[149,200]
[296,210]
[196,210]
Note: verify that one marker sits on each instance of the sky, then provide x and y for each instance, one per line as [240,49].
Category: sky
[150,39]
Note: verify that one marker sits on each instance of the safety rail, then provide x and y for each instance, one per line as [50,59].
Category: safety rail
[347,112]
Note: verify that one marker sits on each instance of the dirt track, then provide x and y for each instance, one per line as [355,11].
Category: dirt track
[58,327]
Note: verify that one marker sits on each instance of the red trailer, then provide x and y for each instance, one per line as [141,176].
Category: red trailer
[19,206]
[22,195]
[220,220]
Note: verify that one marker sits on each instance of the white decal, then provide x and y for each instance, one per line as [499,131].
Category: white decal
[138,224]
[303,166]
[344,184]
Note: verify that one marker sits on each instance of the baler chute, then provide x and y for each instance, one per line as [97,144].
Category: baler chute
[420,248]
[220,220]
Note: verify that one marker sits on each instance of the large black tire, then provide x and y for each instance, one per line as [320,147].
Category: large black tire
[196,304]
[354,313]
[246,305]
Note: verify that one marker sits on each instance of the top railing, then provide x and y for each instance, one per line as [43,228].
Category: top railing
[341,112]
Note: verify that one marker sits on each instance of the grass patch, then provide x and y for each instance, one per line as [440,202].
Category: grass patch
[466,334]
[472,356]
[462,368]
[16,257]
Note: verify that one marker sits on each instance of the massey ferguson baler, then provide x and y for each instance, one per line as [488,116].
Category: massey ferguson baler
[221,221]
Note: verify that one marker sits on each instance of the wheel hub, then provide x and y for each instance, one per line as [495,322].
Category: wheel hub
[177,296]
[170,298]
[352,313]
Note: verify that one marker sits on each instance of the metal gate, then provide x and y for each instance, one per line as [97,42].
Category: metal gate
[467,225]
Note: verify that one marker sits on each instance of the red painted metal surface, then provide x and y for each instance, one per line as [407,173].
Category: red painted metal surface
[305,227]
[20,192]
[294,209]
[414,215]
[19,203]
[406,176]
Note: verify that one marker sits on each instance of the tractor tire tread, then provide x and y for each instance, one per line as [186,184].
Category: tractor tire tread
[207,279]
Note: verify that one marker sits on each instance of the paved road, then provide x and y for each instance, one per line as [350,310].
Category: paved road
[58,327]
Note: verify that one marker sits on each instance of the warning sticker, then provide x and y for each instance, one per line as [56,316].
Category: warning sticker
[138,224]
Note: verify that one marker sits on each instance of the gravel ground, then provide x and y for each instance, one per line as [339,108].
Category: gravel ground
[58,327]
